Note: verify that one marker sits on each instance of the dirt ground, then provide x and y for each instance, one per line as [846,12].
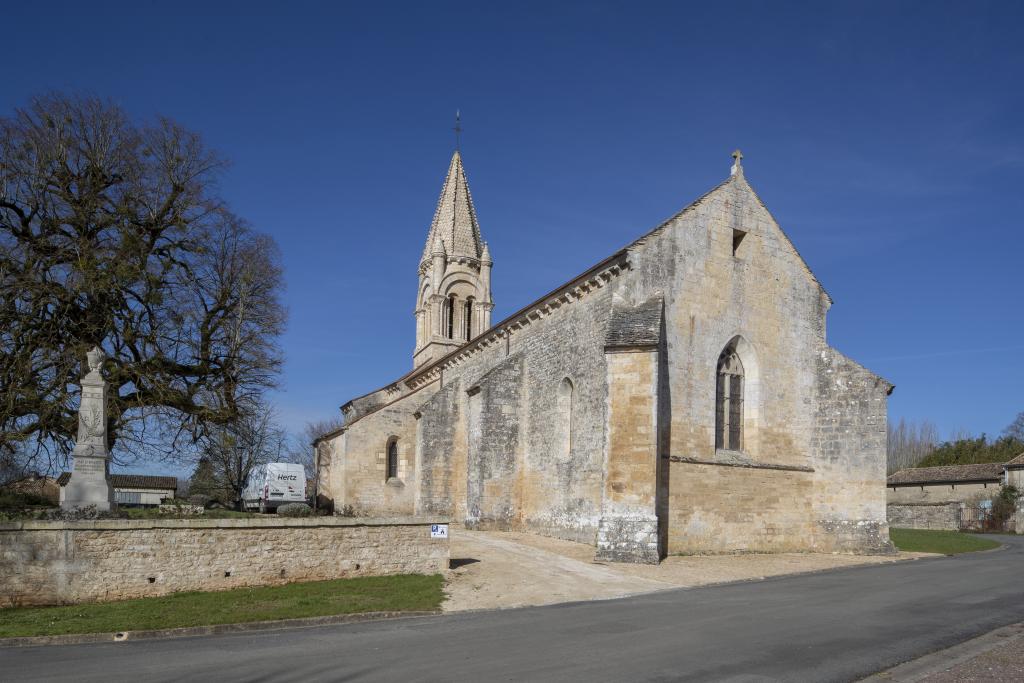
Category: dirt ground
[508,569]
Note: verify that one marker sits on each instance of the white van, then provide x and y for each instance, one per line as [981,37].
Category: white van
[273,484]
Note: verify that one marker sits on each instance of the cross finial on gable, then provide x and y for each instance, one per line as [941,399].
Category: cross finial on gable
[737,166]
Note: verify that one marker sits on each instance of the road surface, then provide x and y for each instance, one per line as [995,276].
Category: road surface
[833,626]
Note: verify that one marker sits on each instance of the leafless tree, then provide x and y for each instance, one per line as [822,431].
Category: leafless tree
[113,234]
[233,451]
[1016,428]
[316,460]
[909,443]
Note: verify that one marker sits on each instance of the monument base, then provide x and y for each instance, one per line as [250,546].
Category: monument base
[89,485]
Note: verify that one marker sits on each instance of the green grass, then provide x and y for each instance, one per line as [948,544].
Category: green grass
[406,592]
[945,542]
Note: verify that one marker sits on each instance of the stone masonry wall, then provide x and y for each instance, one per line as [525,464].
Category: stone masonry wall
[849,447]
[367,490]
[969,492]
[43,563]
[724,509]
[945,516]
[555,492]
[440,483]
[629,523]
[494,410]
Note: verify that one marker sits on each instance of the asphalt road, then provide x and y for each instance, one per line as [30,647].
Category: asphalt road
[833,626]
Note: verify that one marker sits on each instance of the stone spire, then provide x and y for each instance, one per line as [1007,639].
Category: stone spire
[455,218]
[453,303]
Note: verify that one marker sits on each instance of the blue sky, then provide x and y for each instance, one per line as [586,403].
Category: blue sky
[886,138]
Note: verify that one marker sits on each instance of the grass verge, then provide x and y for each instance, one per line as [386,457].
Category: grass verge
[405,592]
[945,542]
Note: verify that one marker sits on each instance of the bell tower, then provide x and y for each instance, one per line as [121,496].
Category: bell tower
[453,303]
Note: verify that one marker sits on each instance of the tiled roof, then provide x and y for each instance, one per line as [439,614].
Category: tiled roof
[1017,462]
[131,481]
[989,471]
[455,218]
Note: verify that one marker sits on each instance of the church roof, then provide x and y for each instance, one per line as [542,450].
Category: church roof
[630,334]
[455,218]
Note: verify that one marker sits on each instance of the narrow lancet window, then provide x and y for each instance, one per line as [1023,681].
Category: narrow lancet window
[729,402]
[468,318]
[449,312]
[392,466]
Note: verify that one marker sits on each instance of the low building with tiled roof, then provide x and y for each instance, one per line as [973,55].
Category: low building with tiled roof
[948,474]
[142,490]
[953,483]
[1015,472]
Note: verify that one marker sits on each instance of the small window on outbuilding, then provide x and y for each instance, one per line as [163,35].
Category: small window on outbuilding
[392,466]
[737,240]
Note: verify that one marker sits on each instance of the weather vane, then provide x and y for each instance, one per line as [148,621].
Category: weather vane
[457,129]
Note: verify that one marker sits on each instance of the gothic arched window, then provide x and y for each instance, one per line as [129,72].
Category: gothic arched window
[392,466]
[729,402]
[468,318]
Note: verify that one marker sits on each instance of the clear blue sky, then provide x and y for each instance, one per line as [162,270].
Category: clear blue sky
[885,137]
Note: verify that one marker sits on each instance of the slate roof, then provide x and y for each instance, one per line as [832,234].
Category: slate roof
[989,471]
[131,481]
[636,325]
[455,218]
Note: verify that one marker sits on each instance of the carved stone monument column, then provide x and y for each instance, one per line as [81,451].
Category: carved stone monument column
[90,473]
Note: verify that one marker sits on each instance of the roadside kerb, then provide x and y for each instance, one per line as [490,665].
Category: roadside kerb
[212,629]
[937,662]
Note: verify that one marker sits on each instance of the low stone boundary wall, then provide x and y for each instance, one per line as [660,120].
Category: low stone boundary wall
[943,516]
[46,563]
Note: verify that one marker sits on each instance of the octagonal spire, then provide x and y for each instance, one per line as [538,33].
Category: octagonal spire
[455,221]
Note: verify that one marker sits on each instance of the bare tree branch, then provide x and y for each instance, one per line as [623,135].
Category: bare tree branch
[113,234]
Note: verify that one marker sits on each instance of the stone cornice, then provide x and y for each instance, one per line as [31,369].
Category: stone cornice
[748,465]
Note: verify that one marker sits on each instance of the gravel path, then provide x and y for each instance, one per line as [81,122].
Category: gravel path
[508,569]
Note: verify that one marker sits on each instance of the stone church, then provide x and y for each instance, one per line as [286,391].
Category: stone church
[680,396]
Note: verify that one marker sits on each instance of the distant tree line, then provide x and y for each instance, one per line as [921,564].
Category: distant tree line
[912,444]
